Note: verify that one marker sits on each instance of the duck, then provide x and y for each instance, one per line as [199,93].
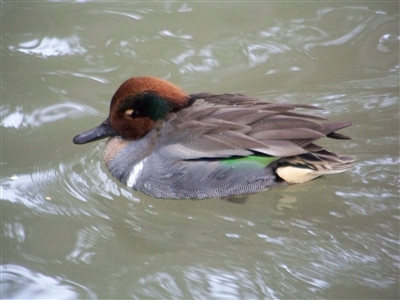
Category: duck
[166,143]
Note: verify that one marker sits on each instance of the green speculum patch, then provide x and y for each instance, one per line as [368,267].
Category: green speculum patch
[256,160]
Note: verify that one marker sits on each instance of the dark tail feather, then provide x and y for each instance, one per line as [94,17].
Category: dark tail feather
[330,129]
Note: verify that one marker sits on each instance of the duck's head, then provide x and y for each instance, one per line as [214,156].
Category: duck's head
[135,108]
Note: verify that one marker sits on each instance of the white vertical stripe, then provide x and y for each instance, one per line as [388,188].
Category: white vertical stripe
[135,173]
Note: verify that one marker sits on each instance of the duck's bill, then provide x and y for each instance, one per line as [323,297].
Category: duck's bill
[100,132]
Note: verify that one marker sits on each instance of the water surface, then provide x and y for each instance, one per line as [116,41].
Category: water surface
[70,230]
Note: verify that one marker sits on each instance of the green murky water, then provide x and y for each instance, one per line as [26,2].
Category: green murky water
[69,230]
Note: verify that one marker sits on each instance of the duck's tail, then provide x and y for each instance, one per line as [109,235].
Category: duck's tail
[305,167]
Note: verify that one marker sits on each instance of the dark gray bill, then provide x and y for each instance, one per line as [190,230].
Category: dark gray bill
[100,132]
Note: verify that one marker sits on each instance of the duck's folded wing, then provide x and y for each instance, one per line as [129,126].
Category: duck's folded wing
[218,126]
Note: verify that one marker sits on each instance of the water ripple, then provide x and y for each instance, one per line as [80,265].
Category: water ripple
[51,46]
[18,282]
[133,16]
[43,191]
[179,34]
[43,115]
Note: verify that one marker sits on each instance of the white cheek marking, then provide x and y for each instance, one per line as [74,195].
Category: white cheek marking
[135,173]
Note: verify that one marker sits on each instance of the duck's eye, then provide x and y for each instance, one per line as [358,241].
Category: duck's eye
[129,112]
